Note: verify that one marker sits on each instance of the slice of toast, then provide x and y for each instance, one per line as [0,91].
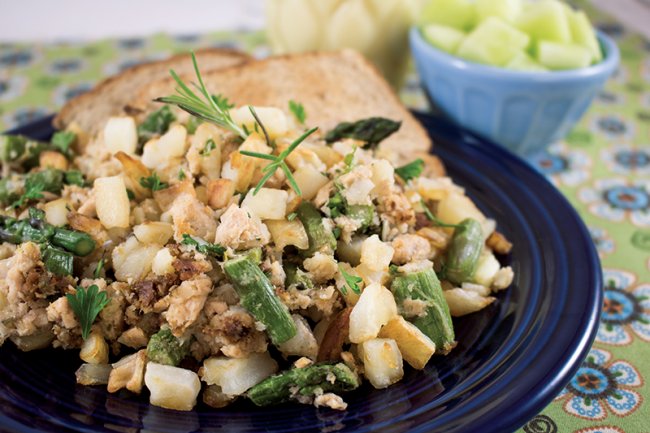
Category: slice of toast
[91,110]
[334,87]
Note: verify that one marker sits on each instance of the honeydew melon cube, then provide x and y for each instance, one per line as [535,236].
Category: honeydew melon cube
[507,10]
[523,62]
[583,33]
[494,42]
[455,13]
[444,37]
[545,20]
[563,56]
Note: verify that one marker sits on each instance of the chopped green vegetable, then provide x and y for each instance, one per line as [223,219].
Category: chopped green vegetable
[192,124]
[57,261]
[12,147]
[296,277]
[63,140]
[464,251]
[292,216]
[157,123]
[320,238]
[298,110]
[373,131]
[361,213]
[181,174]
[87,304]
[209,147]
[97,273]
[425,286]
[411,170]
[352,281]
[165,348]
[73,177]
[204,247]
[153,182]
[257,295]
[431,217]
[309,381]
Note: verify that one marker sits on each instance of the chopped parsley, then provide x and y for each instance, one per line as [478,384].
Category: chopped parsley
[203,246]
[411,170]
[351,281]
[153,182]
[298,110]
[87,304]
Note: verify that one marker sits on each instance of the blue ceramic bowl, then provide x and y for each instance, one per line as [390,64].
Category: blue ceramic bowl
[524,111]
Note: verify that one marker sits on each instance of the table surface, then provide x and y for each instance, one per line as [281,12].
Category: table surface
[603,167]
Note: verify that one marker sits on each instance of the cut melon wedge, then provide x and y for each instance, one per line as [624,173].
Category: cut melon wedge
[455,13]
[583,33]
[494,42]
[507,10]
[444,37]
[545,20]
[563,56]
[523,62]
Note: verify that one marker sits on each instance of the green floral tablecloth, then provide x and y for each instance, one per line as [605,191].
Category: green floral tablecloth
[603,167]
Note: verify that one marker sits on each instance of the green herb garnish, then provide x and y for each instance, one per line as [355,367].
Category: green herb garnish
[352,281]
[153,182]
[73,177]
[98,270]
[279,162]
[33,191]
[63,140]
[298,111]
[203,246]
[211,108]
[292,216]
[181,174]
[87,304]
[210,145]
[156,123]
[411,170]
[431,217]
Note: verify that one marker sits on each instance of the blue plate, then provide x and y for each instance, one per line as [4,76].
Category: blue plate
[512,357]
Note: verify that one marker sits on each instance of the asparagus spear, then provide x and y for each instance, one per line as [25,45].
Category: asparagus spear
[12,147]
[464,251]
[164,348]
[257,296]
[362,213]
[57,261]
[425,286]
[320,239]
[303,382]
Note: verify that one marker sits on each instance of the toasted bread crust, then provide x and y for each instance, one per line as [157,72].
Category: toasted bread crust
[333,87]
[91,109]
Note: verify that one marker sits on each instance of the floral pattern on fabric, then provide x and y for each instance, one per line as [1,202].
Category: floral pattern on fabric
[564,166]
[618,199]
[602,387]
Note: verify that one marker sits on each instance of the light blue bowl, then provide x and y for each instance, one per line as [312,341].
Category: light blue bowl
[523,111]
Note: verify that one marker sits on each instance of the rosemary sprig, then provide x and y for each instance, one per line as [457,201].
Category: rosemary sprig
[279,162]
[214,109]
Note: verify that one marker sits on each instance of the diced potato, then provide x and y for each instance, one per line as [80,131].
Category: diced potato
[209,163]
[273,119]
[375,308]
[153,232]
[93,374]
[351,297]
[309,180]
[477,288]
[165,197]
[383,176]
[163,262]
[128,373]
[172,387]
[375,254]
[52,159]
[382,362]
[121,134]
[435,189]
[235,376]
[462,302]
[301,157]
[220,192]
[26,343]
[134,170]
[486,269]
[112,202]
[159,151]
[371,276]
[416,348]
[326,154]
[94,350]
[267,204]
[503,278]
[350,253]
[56,212]
[213,396]
[455,207]
[303,343]
[132,260]
[285,233]
[359,192]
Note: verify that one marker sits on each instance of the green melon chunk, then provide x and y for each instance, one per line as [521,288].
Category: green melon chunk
[583,33]
[454,13]
[507,10]
[523,62]
[444,37]
[545,20]
[563,56]
[494,42]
